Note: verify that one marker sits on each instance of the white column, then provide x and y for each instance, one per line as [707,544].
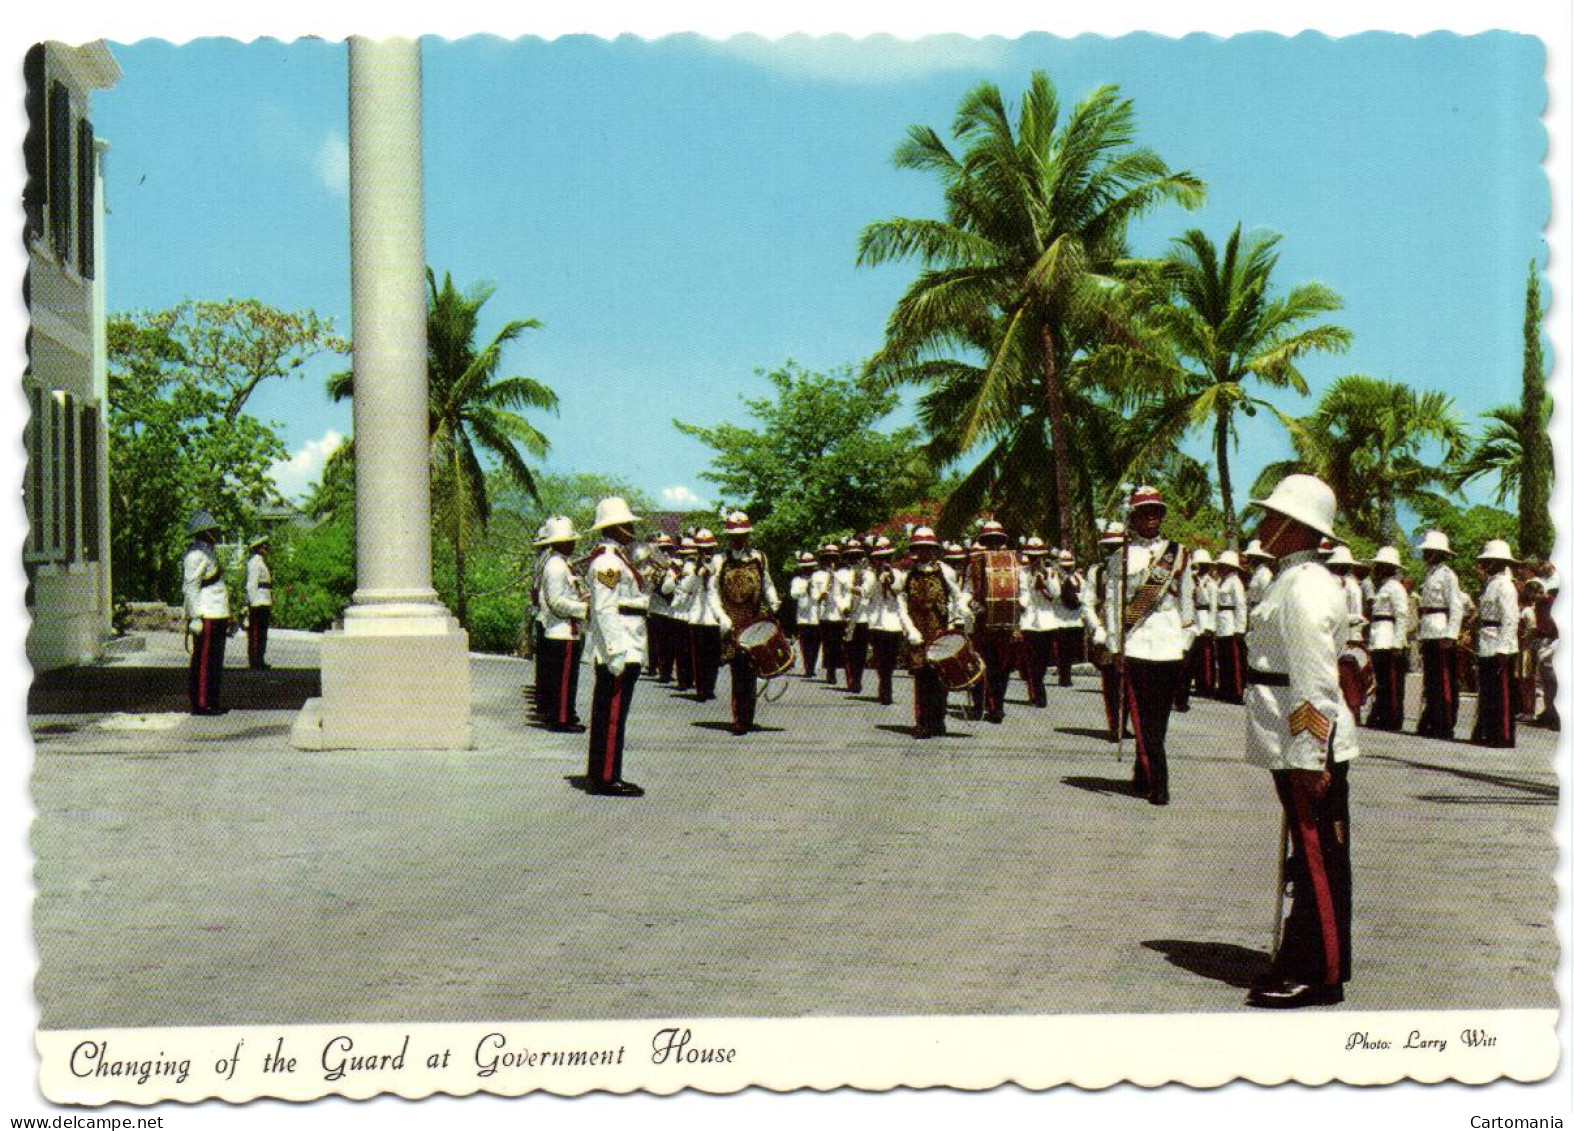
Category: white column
[397,674]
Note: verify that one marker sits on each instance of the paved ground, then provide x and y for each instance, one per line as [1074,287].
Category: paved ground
[201,871]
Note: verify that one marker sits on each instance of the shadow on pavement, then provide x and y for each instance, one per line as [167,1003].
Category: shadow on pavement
[146,690]
[1222,962]
[1086,732]
[1101,785]
[712,724]
[1539,791]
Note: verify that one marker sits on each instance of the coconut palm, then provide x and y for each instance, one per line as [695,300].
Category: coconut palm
[1028,265]
[470,411]
[1499,450]
[1369,440]
[1221,329]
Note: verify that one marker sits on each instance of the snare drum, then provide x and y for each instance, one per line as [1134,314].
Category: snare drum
[767,647]
[954,661]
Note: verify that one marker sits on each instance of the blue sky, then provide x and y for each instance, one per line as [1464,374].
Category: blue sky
[679,213]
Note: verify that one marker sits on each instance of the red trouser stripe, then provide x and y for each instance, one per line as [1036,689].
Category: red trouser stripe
[1311,844]
[614,711]
[205,643]
[1136,724]
[1445,665]
[1508,710]
[562,689]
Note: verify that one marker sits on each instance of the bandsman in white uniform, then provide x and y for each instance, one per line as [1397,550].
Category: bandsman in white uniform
[1387,639]
[1299,728]
[1259,567]
[656,566]
[207,610]
[1497,646]
[1066,615]
[1353,656]
[618,605]
[1230,622]
[807,608]
[1037,591]
[1441,605]
[1093,619]
[833,618]
[926,605]
[884,617]
[855,579]
[741,593]
[1150,635]
[681,611]
[704,625]
[564,607]
[1204,662]
[259,602]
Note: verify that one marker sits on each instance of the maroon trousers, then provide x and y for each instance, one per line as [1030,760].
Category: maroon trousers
[609,709]
[1314,948]
[857,657]
[1439,690]
[558,666]
[929,701]
[834,646]
[1498,700]
[1232,668]
[705,657]
[1388,702]
[1150,693]
[745,692]
[884,645]
[257,635]
[205,677]
[809,646]
[1037,649]
[1065,650]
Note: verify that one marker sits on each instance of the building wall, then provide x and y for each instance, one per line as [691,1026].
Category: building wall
[66,486]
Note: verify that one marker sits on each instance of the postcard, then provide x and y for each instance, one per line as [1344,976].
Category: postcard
[585,564]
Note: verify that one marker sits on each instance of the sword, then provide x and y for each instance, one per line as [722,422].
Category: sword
[1120,621]
[1278,908]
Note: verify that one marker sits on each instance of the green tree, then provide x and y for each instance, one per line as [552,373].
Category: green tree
[1221,328]
[470,411]
[1536,469]
[1028,267]
[1499,450]
[179,437]
[815,465]
[1370,441]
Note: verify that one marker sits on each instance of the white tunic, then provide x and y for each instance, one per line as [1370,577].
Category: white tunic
[1298,631]
[1441,594]
[696,586]
[1063,616]
[563,603]
[202,581]
[259,582]
[1257,587]
[1390,612]
[1038,604]
[882,603]
[683,591]
[861,609]
[820,594]
[1166,633]
[961,604]
[1207,592]
[1230,615]
[1353,606]
[1092,591]
[1499,623]
[617,609]
[807,608]
[840,604]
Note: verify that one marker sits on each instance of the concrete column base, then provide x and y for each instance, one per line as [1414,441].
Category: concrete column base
[390,691]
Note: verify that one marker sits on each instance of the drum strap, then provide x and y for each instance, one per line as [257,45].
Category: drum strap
[1151,591]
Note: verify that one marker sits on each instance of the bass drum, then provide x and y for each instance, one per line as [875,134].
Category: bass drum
[954,660]
[767,648]
[1001,611]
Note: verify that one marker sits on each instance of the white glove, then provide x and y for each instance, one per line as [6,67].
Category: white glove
[915,638]
[725,623]
[1100,637]
[195,627]
[616,665]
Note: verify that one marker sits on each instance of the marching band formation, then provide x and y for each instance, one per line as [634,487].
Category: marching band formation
[1295,629]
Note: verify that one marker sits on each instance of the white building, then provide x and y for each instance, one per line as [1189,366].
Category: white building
[66,487]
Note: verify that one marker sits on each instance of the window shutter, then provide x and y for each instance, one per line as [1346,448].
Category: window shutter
[68,469]
[87,180]
[60,155]
[34,146]
[90,496]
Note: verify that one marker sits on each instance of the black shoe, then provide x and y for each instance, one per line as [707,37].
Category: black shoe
[567,728]
[617,789]
[210,711]
[1183,707]
[996,717]
[1284,994]
[1159,795]
[739,732]
[259,667]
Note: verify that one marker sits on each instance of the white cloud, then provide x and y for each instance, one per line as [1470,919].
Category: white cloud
[680,498]
[332,163]
[294,475]
[875,59]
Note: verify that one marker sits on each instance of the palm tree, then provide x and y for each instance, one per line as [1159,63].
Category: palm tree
[1499,450]
[470,410]
[1029,264]
[1221,329]
[1366,441]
